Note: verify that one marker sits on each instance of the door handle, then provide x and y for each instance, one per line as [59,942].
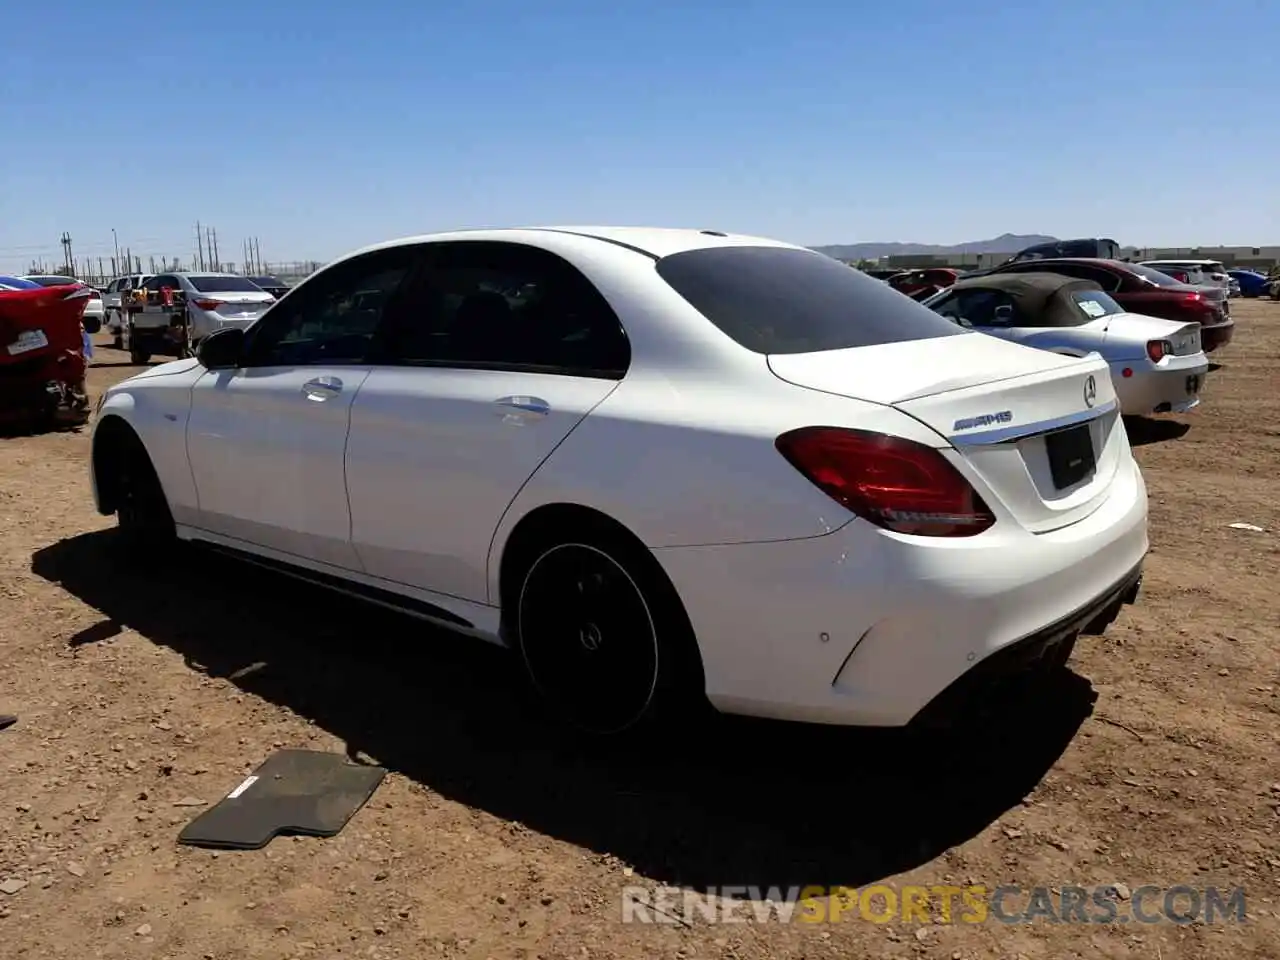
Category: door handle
[526,406]
[322,388]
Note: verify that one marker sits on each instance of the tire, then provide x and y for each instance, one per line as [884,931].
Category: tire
[142,511]
[129,341]
[603,639]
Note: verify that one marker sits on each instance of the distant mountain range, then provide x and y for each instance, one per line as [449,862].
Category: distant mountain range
[1005,243]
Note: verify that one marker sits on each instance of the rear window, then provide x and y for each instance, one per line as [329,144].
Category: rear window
[54,281]
[224,285]
[1154,275]
[781,300]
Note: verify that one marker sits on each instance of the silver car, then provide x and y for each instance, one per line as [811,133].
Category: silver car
[173,325]
[1196,271]
[1157,366]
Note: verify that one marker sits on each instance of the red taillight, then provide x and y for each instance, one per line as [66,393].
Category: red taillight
[208,304]
[897,484]
[1157,350]
[1193,297]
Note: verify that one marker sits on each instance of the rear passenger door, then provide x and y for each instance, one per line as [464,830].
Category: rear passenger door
[500,350]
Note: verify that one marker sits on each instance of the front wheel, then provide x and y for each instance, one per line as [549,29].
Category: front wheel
[603,640]
[142,510]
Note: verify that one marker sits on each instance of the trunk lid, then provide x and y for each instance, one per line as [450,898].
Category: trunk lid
[238,306]
[1023,422]
[1129,333]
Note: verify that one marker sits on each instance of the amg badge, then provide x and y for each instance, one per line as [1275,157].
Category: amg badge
[985,420]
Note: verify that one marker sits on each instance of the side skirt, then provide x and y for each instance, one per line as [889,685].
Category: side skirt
[453,613]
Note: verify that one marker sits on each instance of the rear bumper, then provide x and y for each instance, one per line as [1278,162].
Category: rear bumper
[861,627]
[1159,388]
[1010,667]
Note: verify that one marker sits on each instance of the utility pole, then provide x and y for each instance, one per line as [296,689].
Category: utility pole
[115,241]
[217,260]
[67,260]
[199,247]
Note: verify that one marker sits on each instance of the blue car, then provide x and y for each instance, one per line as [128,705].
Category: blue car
[16,283]
[1252,284]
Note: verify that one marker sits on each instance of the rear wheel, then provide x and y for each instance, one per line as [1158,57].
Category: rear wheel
[602,637]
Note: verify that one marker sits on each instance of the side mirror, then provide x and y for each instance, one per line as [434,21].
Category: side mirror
[1003,313]
[222,350]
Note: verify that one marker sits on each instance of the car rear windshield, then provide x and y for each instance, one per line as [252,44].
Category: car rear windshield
[224,285]
[784,300]
[1154,275]
[54,281]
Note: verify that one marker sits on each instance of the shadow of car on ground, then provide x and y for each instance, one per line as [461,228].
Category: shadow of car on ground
[1145,430]
[735,802]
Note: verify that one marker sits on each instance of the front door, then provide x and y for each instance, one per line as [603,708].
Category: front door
[500,351]
[267,441]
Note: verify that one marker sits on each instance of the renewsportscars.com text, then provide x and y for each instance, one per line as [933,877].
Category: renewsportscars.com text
[881,903]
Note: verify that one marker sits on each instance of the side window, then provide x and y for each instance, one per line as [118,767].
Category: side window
[336,317]
[484,304]
[1103,278]
[982,308]
[950,307]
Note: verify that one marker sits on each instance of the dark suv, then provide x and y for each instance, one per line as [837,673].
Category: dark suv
[1101,248]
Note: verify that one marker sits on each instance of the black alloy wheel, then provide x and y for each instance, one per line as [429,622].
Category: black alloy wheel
[142,510]
[589,637]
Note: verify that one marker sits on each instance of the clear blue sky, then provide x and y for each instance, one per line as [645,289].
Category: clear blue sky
[322,126]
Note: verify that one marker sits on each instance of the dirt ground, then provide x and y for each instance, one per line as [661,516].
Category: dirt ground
[1152,761]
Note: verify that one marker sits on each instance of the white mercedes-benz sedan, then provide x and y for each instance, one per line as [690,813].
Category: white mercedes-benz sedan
[665,467]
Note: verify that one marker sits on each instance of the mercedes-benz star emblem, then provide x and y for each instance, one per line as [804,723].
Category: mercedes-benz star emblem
[1090,390]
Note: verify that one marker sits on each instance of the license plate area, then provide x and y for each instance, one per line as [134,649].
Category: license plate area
[1071,456]
[28,340]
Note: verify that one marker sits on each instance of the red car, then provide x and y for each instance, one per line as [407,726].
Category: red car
[1143,290]
[42,354]
[919,284]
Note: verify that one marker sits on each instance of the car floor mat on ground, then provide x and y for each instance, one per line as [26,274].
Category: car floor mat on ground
[306,792]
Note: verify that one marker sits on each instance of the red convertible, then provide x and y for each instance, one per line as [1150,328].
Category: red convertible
[42,354]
